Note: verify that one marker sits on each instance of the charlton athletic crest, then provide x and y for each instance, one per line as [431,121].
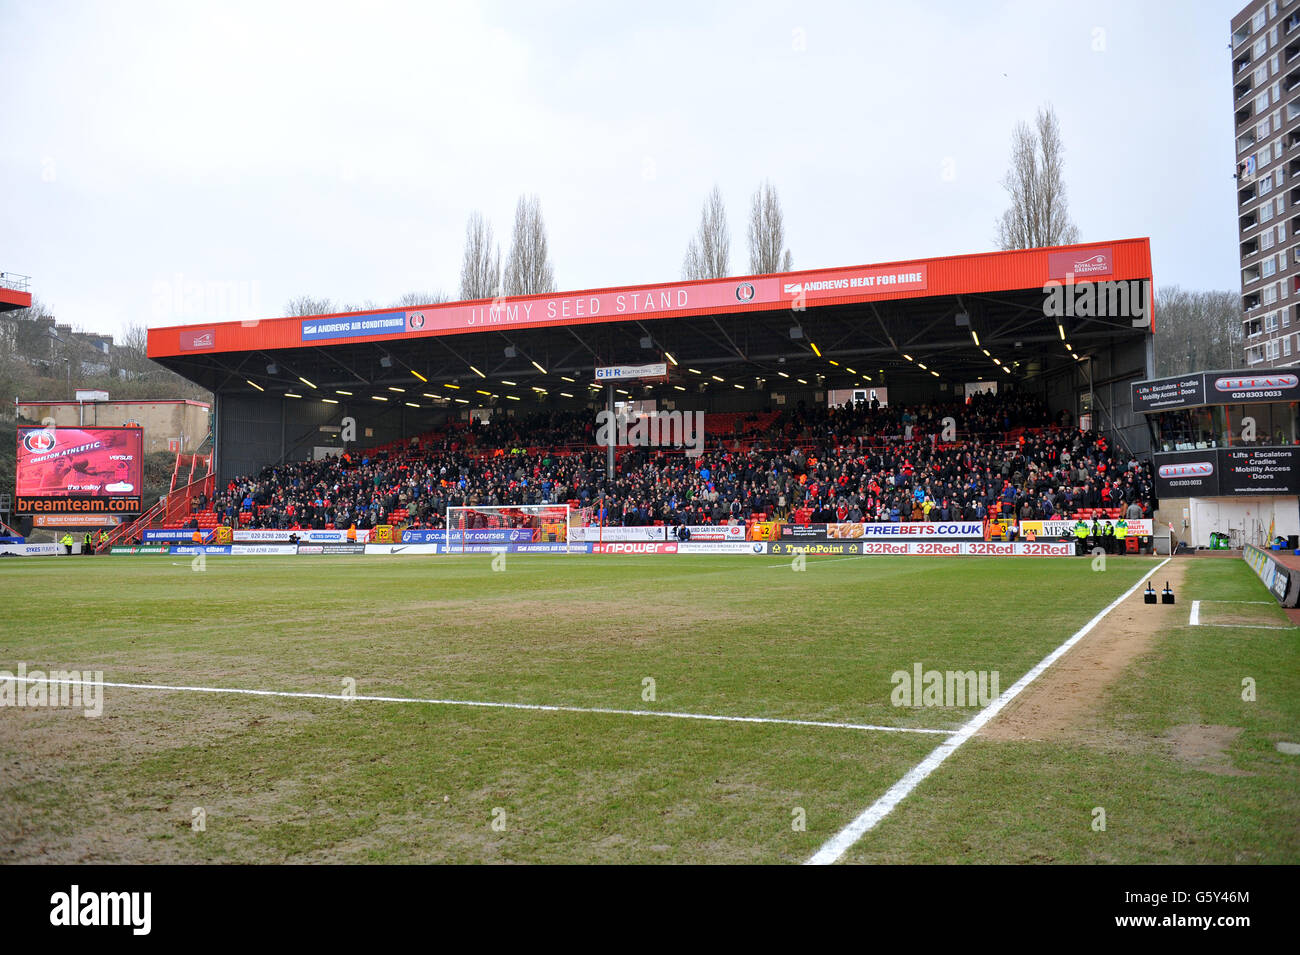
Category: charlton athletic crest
[39,442]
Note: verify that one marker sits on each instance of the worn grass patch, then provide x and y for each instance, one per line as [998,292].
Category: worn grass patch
[325,781]
[1185,768]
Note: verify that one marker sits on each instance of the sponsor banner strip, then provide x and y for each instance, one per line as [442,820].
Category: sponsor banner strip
[553,547]
[635,547]
[924,548]
[1063,528]
[76,520]
[597,534]
[722,547]
[265,549]
[373,550]
[1278,578]
[305,536]
[716,532]
[911,529]
[31,550]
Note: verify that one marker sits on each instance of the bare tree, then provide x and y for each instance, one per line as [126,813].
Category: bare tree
[416,299]
[708,256]
[528,268]
[1196,330]
[480,269]
[767,252]
[1039,214]
[132,352]
[368,305]
[306,305]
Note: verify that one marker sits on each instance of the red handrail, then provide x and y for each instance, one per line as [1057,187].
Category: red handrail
[169,508]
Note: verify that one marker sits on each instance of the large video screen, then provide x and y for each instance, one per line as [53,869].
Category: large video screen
[79,470]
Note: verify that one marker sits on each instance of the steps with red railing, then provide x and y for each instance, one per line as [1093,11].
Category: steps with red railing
[174,508]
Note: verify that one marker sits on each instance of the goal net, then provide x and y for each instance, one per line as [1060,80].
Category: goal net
[473,529]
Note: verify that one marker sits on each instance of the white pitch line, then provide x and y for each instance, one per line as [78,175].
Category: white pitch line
[1243,626]
[1195,619]
[1271,602]
[820,560]
[540,707]
[835,847]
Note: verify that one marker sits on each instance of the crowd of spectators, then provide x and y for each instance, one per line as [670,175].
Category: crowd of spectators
[995,455]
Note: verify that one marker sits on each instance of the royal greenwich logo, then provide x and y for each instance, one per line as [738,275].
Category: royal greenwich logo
[1092,265]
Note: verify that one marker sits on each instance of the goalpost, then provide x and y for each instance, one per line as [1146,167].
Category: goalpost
[471,528]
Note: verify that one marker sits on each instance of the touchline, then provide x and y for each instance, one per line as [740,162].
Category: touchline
[78,689]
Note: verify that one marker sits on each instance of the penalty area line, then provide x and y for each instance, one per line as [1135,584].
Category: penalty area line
[840,843]
[1194,619]
[481,704]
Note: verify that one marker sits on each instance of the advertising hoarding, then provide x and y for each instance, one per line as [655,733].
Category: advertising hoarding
[89,470]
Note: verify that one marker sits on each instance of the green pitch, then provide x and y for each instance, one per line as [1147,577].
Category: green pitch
[197,777]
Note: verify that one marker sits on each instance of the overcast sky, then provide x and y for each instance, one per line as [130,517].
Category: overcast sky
[336,150]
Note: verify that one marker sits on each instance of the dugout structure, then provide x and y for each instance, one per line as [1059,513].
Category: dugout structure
[1071,324]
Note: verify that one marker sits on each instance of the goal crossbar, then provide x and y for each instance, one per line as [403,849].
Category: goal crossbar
[488,528]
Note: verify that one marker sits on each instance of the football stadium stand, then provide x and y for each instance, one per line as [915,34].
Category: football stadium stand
[1008,458]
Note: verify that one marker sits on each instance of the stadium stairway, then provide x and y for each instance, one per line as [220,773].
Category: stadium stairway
[176,506]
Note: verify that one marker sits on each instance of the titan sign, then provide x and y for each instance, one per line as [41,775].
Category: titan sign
[1228,472]
[79,470]
[1258,471]
[1229,387]
[1187,474]
[1256,387]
